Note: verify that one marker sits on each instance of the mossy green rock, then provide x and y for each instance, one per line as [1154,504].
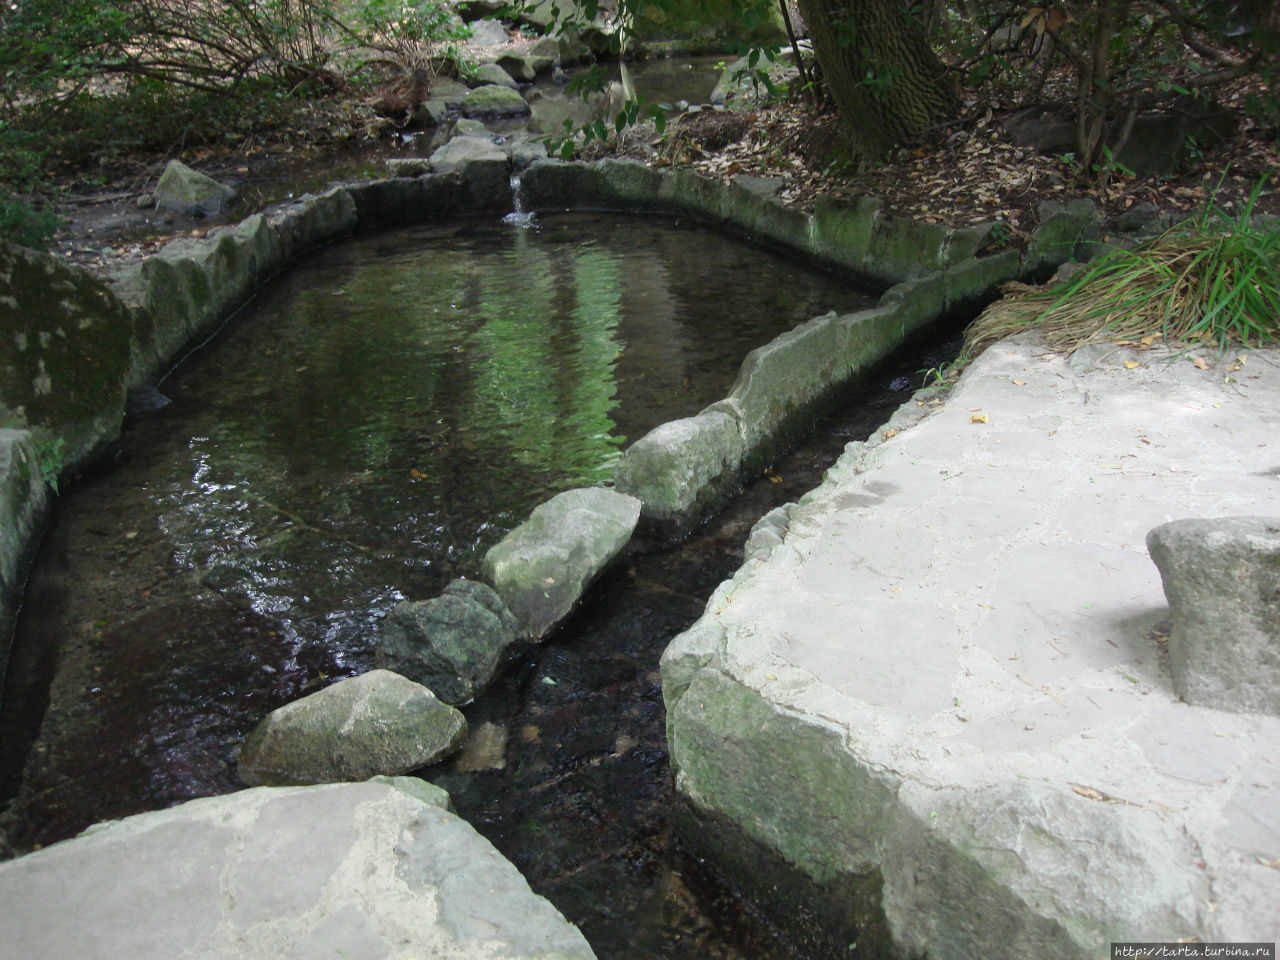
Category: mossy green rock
[492,100]
[65,343]
[543,566]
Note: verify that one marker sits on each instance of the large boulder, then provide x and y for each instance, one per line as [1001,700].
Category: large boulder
[190,192]
[1222,580]
[454,643]
[492,100]
[376,723]
[543,566]
[370,870]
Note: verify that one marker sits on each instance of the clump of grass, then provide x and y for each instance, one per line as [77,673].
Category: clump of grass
[1213,278]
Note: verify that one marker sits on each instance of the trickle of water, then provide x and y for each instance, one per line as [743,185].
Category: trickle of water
[518,217]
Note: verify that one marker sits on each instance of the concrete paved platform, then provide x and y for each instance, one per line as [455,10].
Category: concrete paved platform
[947,676]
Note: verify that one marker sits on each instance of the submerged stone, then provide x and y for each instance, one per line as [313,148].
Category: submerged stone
[543,566]
[454,643]
[376,723]
[1222,580]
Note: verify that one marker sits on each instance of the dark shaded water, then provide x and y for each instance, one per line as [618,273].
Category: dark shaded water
[363,432]
[566,771]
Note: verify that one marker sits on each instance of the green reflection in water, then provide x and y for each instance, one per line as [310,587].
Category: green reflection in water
[391,407]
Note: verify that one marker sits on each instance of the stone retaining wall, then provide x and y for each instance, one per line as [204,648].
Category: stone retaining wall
[682,471]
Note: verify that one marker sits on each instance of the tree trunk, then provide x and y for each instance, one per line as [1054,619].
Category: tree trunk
[887,85]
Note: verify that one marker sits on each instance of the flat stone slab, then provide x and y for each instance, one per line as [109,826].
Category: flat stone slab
[942,675]
[370,870]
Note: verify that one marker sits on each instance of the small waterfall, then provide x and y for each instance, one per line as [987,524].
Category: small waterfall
[518,216]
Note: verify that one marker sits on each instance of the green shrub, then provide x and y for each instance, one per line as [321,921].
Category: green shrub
[24,223]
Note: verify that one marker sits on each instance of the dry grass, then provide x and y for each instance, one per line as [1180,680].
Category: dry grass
[1207,279]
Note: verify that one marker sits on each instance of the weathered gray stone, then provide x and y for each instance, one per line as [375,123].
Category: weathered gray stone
[492,100]
[492,73]
[463,150]
[1062,229]
[762,186]
[451,92]
[466,127]
[526,152]
[376,723]
[452,644]
[543,566]
[488,33]
[680,469]
[408,166]
[373,870]
[1222,580]
[432,112]
[311,220]
[190,192]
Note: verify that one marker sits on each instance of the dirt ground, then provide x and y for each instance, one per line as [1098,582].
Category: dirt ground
[972,173]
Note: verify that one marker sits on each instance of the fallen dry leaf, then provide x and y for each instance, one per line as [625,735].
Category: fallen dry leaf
[1130,364]
[978,418]
[890,433]
[1019,383]
[1200,363]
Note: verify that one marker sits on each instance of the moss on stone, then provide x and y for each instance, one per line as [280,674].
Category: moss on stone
[64,353]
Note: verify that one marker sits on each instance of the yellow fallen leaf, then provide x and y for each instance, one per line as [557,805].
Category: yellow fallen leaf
[978,418]
[771,676]
[1236,364]
[1200,363]
[773,478]
[1151,338]
[1130,364]
[890,433]
[1019,383]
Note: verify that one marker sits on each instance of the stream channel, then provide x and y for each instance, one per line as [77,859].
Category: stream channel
[361,433]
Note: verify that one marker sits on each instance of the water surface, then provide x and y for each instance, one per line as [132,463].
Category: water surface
[362,433]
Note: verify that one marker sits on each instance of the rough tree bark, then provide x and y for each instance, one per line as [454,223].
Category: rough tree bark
[887,85]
